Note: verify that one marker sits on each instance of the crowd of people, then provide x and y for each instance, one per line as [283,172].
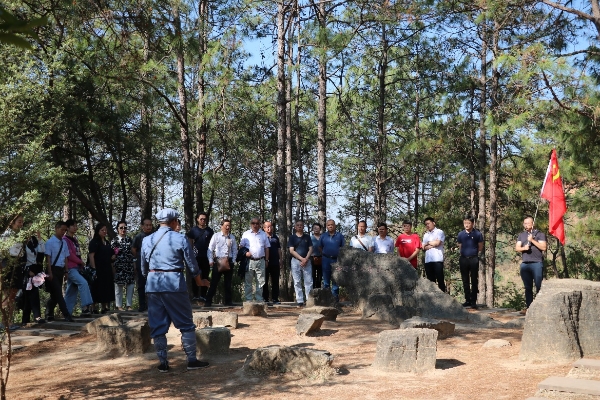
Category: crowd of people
[112,267]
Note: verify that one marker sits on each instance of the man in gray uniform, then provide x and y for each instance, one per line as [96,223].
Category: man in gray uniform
[162,255]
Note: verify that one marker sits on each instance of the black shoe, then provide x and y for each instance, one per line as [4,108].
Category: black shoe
[230,304]
[300,304]
[40,320]
[163,367]
[85,313]
[276,301]
[466,304]
[68,318]
[197,364]
[474,307]
[50,318]
[208,304]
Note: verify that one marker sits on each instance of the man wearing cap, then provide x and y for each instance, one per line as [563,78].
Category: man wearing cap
[163,254]
[257,242]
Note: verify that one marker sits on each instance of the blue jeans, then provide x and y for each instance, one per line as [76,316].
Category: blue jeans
[327,280]
[77,283]
[531,272]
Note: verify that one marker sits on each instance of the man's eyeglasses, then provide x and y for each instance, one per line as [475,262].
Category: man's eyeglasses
[123,228]
[255,223]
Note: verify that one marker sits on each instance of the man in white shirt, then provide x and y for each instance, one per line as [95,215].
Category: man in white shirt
[257,242]
[433,245]
[222,246]
[383,244]
[362,241]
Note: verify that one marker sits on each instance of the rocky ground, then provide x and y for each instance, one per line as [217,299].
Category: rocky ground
[73,367]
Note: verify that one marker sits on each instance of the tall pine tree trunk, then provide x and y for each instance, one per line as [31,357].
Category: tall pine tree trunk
[188,199]
[201,116]
[381,156]
[481,217]
[322,121]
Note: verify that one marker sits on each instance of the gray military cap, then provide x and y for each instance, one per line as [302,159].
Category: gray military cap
[166,215]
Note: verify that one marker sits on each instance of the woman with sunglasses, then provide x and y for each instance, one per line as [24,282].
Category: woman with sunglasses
[123,267]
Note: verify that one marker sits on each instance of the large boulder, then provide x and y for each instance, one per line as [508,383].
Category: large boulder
[131,338]
[281,359]
[406,350]
[563,322]
[444,328]
[387,287]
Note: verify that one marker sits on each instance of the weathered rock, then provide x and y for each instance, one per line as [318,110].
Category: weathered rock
[387,287]
[107,320]
[563,322]
[216,318]
[515,323]
[281,359]
[320,297]
[330,313]
[308,323]
[254,309]
[444,328]
[131,338]
[213,340]
[496,343]
[406,350]
[225,318]
[202,319]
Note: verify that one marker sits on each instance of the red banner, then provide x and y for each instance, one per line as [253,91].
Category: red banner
[552,190]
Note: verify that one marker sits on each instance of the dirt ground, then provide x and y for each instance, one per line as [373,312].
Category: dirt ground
[72,368]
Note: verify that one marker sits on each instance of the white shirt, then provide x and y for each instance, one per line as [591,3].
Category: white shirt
[255,242]
[367,241]
[221,246]
[383,246]
[435,254]
[32,256]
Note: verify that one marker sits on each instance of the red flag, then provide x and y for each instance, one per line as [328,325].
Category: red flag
[552,190]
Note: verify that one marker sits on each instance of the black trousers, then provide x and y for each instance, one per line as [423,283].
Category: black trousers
[54,287]
[435,273]
[469,272]
[317,275]
[204,266]
[272,272]
[31,303]
[214,283]
[141,282]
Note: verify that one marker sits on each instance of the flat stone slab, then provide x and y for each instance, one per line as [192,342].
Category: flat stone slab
[282,359]
[106,320]
[44,332]
[571,385]
[587,363]
[330,313]
[444,328]
[16,347]
[72,326]
[30,340]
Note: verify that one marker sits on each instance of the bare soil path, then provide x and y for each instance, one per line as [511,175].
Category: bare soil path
[72,368]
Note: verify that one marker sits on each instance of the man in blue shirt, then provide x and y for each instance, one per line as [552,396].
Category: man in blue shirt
[330,243]
[163,255]
[470,244]
[56,252]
